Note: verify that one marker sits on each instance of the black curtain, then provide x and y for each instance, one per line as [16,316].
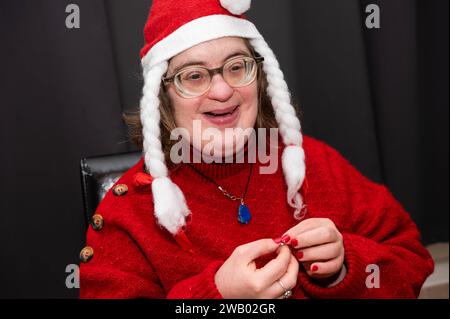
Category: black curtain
[379,96]
[408,72]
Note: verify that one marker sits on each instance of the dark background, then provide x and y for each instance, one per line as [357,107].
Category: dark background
[379,96]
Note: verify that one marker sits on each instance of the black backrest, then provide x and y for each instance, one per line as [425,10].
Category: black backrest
[99,173]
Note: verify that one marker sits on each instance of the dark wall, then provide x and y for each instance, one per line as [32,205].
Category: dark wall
[379,96]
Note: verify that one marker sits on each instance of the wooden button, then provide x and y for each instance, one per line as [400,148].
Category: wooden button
[97,222]
[120,189]
[86,254]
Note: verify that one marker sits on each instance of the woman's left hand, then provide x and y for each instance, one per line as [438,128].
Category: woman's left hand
[318,245]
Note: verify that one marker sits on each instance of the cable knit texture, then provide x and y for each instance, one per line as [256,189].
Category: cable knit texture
[135,257]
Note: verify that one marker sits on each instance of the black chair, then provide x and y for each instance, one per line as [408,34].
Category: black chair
[99,173]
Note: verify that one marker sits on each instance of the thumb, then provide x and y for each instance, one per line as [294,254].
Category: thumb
[258,248]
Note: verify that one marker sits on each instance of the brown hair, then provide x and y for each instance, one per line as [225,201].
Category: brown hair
[264,119]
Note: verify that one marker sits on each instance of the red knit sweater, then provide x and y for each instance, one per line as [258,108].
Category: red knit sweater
[135,257]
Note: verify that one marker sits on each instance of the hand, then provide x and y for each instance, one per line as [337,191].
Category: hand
[238,277]
[320,247]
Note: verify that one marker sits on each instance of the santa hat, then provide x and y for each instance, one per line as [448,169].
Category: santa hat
[177,25]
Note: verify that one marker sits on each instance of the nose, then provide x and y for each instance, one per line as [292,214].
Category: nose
[220,90]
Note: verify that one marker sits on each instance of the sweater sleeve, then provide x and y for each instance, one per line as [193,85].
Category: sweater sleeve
[201,286]
[119,269]
[383,254]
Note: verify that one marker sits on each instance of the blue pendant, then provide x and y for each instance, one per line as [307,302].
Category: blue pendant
[244,215]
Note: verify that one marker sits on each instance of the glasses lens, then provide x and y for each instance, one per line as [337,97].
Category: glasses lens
[193,81]
[240,72]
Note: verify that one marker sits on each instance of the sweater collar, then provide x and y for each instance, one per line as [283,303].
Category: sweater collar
[224,168]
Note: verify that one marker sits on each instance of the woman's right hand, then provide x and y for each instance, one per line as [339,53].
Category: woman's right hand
[238,277]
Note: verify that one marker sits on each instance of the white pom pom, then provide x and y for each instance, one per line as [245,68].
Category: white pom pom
[170,205]
[236,7]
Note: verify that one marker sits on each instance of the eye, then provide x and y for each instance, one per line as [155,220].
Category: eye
[193,76]
[236,67]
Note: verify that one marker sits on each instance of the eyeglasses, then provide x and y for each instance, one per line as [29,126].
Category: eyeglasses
[195,81]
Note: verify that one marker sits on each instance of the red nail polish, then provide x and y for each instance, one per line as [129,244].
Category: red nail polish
[277,240]
[294,242]
[299,255]
[285,239]
[314,268]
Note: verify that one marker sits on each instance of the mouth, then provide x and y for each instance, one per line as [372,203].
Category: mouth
[222,117]
[224,112]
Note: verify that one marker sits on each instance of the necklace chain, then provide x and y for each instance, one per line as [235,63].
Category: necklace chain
[224,192]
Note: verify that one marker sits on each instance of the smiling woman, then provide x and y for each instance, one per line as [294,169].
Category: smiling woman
[265,117]
[226,101]
[308,229]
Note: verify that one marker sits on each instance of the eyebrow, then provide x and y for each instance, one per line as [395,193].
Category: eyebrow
[232,55]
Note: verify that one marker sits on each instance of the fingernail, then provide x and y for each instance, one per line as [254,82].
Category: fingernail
[285,239]
[299,255]
[294,242]
[314,268]
[277,240]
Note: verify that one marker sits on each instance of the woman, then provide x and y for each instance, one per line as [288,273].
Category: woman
[315,228]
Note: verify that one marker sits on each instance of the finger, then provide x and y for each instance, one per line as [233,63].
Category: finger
[320,253]
[253,250]
[317,236]
[302,227]
[289,280]
[307,225]
[276,267]
[326,268]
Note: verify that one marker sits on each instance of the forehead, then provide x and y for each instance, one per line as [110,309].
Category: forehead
[210,53]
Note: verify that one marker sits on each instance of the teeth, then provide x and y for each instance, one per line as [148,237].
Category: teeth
[219,114]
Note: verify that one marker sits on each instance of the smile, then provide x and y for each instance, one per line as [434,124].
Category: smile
[223,117]
[223,112]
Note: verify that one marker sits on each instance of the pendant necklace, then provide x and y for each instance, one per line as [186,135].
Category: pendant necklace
[243,215]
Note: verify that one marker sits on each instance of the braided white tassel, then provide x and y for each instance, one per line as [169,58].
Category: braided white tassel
[169,202]
[293,157]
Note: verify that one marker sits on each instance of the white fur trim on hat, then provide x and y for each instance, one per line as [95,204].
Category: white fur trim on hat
[198,31]
[236,7]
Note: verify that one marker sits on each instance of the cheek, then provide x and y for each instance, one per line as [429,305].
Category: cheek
[185,110]
[249,95]
[249,110]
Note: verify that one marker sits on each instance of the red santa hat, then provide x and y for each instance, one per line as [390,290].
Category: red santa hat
[177,25]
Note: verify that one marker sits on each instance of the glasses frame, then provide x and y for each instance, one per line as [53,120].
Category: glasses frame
[212,72]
